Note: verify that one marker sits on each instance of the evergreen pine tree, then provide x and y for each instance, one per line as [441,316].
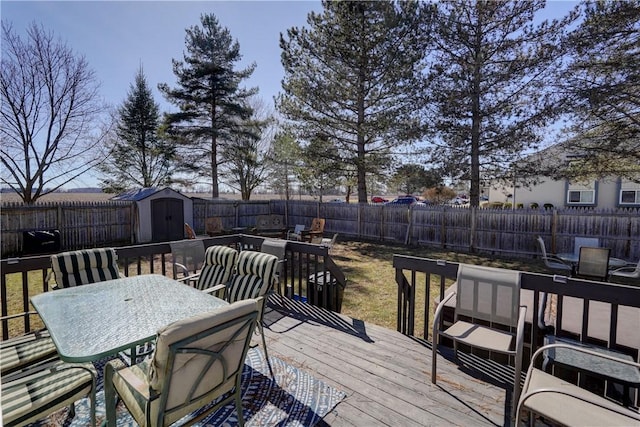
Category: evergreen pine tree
[140,156]
[211,102]
[355,76]
[490,73]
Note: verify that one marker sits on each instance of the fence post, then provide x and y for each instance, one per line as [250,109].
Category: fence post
[407,237]
[554,230]
[382,233]
[443,228]
[474,228]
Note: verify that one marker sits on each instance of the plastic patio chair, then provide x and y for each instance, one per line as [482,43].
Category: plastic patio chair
[490,296]
[328,243]
[197,360]
[296,234]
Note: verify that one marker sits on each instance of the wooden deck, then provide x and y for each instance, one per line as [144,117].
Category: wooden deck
[386,375]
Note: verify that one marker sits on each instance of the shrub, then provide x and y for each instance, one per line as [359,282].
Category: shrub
[548,205]
[534,205]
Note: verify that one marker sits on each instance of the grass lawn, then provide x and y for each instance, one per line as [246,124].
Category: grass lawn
[371,293]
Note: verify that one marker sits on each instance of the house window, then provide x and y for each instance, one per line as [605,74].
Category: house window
[630,197]
[581,196]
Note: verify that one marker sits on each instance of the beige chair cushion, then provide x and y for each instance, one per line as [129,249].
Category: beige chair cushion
[22,351]
[32,397]
[187,368]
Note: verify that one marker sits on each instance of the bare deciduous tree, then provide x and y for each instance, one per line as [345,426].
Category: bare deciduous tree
[50,131]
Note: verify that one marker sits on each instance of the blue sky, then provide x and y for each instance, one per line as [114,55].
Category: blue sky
[117,36]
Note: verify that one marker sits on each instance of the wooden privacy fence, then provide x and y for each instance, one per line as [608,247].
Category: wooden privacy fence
[497,231]
[81,225]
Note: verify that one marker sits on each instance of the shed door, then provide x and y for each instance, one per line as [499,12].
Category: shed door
[167,216]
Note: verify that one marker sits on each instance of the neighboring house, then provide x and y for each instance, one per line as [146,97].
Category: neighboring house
[608,192]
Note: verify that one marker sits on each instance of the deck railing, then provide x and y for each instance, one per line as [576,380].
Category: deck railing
[606,314]
[22,278]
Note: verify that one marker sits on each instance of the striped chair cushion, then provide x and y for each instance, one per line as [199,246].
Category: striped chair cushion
[219,262]
[16,353]
[254,276]
[44,391]
[85,266]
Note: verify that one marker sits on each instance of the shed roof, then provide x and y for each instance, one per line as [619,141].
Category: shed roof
[139,194]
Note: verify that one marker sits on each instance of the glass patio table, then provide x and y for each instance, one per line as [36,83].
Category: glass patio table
[572,258]
[92,321]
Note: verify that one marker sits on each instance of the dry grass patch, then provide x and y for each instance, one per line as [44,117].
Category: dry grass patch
[371,294]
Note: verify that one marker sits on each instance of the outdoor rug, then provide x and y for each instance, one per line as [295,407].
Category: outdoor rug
[295,398]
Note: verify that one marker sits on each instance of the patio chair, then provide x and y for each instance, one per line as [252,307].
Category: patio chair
[197,360]
[39,392]
[578,242]
[25,351]
[328,243]
[564,403]
[213,226]
[490,296]
[219,263]
[85,266]
[296,234]
[631,271]
[316,230]
[593,263]
[254,277]
[187,259]
[552,261]
[276,247]
[188,231]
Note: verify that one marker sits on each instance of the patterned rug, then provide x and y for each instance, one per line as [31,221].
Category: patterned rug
[295,398]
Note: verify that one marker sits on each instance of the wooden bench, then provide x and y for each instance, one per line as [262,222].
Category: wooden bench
[270,226]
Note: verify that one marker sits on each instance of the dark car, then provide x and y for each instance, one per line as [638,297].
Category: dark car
[404,200]
[378,199]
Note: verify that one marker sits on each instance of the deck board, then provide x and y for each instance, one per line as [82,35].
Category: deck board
[386,375]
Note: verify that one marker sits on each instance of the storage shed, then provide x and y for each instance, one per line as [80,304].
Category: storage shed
[162,213]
